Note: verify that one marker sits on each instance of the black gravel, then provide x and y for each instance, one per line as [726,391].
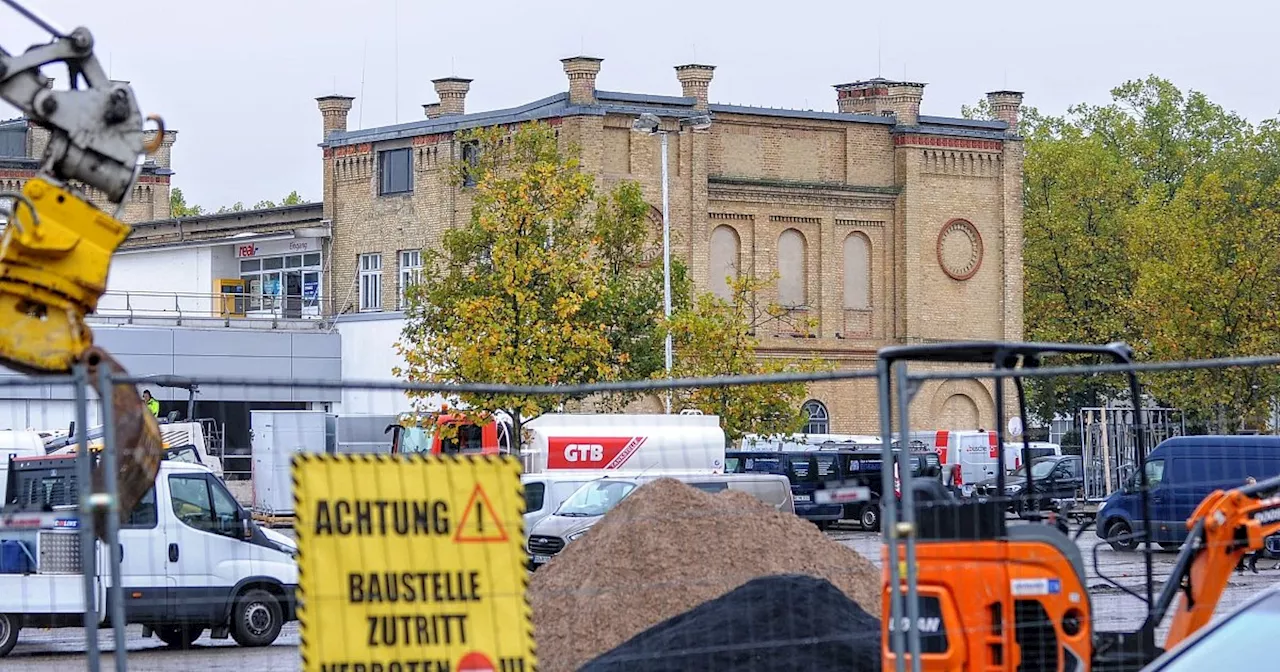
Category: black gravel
[786,623]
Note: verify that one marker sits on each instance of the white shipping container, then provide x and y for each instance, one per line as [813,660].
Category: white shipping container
[274,438]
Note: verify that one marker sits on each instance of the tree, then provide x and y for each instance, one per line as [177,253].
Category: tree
[718,338]
[294,198]
[518,295]
[178,205]
[1152,220]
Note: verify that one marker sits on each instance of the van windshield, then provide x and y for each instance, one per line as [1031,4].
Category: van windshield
[595,499]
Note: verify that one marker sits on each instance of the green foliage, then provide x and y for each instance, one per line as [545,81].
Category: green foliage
[178,205]
[1153,220]
[516,295]
[718,338]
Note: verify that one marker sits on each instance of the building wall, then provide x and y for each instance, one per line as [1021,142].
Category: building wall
[919,202]
[369,354]
[176,279]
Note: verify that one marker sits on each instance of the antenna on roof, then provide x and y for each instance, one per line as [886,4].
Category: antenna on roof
[364,60]
[396,28]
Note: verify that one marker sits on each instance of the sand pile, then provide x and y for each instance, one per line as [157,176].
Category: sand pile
[787,623]
[666,549]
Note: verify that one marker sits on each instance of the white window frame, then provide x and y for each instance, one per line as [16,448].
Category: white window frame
[819,420]
[410,273]
[370,282]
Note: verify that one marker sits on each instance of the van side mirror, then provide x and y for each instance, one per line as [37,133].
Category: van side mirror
[246,524]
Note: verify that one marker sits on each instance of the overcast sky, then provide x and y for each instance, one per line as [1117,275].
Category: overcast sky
[238,79]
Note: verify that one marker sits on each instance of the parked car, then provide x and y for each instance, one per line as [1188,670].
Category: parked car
[1055,477]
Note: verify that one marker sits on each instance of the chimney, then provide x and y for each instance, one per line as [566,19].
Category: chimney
[162,156]
[1005,105]
[694,80]
[582,71]
[432,110]
[882,97]
[453,94]
[333,110]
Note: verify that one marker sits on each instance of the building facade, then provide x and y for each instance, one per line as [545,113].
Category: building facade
[884,226]
[22,145]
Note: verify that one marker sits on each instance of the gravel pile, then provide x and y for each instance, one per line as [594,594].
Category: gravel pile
[786,623]
[666,549]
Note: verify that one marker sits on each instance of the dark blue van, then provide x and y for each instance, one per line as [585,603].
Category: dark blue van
[810,471]
[805,469]
[1182,471]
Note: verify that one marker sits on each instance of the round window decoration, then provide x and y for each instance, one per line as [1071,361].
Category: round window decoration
[959,249]
[651,249]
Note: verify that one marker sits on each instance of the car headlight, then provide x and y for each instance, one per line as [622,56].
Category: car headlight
[575,536]
[1012,489]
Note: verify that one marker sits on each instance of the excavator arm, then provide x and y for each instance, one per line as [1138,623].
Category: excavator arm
[56,249]
[1226,526]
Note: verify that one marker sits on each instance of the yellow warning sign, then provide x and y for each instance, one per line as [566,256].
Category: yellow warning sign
[411,563]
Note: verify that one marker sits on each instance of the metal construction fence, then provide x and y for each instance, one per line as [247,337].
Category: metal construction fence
[673,580]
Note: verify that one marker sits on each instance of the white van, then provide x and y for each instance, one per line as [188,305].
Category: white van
[564,442]
[191,559]
[967,456]
[545,492]
[590,502]
[1013,452]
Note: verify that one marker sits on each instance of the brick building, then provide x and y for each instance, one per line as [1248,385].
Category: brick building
[885,225]
[22,144]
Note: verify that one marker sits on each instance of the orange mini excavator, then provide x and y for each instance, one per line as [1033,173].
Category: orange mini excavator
[984,595]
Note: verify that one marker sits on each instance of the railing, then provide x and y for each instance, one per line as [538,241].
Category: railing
[182,305]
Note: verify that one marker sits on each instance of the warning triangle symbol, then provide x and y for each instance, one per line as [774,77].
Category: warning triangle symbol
[480,521]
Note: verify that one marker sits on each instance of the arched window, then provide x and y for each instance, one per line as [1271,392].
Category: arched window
[857,272]
[726,255]
[819,422]
[793,264]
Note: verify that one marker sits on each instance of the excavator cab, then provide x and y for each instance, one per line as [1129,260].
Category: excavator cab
[984,593]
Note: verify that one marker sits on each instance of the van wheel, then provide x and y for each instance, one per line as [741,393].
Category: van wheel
[178,636]
[8,633]
[1120,536]
[256,619]
[869,518]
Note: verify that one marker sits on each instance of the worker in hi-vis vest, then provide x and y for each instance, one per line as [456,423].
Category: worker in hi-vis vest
[153,404]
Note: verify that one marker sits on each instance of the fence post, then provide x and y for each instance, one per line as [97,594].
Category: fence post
[115,593]
[88,543]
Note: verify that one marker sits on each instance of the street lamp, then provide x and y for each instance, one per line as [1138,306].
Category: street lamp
[649,124]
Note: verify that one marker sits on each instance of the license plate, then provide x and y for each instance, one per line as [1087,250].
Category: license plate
[983,500]
[801,498]
[541,559]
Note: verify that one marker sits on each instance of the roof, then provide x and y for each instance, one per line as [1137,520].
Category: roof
[223,226]
[618,102]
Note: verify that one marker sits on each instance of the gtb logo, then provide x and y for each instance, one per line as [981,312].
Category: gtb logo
[583,452]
